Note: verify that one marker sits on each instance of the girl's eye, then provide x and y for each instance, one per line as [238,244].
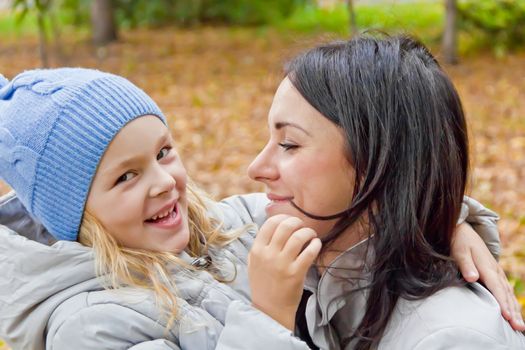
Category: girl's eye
[163,152]
[125,177]
[288,146]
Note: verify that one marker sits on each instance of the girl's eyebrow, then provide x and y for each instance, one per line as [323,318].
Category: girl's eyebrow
[130,161]
[280,125]
[121,165]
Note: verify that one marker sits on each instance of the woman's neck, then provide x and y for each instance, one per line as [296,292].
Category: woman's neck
[347,239]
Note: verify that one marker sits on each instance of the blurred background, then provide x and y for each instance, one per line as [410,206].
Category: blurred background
[213,66]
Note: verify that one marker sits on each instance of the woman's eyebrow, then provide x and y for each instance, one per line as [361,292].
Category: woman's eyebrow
[280,125]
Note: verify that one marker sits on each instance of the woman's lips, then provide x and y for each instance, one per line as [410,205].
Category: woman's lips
[276,198]
[276,202]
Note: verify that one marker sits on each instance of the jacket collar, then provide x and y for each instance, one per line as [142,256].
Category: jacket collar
[339,294]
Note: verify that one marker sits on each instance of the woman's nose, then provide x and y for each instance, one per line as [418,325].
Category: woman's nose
[262,167]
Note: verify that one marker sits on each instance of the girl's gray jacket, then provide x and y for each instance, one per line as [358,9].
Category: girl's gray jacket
[50,298]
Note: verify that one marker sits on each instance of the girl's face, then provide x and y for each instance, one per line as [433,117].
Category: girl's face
[139,191]
[303,161]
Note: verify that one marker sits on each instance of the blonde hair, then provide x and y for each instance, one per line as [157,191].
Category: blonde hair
[127,267]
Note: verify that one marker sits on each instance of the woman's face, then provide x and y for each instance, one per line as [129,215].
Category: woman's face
[304,161]
[139,191]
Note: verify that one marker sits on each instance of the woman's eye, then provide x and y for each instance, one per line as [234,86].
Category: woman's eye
[288,146]
[163,152]
[125,177]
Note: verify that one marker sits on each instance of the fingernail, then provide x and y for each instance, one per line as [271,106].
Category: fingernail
[472,274]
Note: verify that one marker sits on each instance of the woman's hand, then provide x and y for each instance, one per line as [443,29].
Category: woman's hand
[476,262]
[277,265]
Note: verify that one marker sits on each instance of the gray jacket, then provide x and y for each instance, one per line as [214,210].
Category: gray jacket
[50,297]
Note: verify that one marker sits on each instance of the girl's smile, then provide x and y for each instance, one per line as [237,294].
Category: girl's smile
[168,219]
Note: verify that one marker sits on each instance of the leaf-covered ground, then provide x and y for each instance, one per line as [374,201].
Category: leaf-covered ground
[216,85]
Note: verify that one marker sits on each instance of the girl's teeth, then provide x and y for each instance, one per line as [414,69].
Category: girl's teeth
[156,217]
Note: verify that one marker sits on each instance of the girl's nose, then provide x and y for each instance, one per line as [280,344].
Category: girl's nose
[162,182]
[263,168]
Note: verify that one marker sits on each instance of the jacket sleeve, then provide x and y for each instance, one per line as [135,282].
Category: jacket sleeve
[109,326]
[240,210]
[248,328]
[484,222]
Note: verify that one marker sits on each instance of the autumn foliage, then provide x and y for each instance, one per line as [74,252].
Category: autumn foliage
[216,86]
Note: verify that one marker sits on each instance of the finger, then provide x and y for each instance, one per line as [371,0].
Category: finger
[509,294]
[463,243]
[264,236]
[283,232]
[307,257]
[297,241]
[517,318]
[491,274]
[499,291]
[518,325]
[491,277]
[517,322]
[501,296]
[466,266]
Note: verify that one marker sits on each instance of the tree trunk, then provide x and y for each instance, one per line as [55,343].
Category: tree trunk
[55,29]
[103,25]
[450,44]
[42,40]
[351,15]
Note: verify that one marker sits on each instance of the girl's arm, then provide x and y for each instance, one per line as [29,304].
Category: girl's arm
[281,256]
[107,326]
[248,328]
[276,289]
[131,324]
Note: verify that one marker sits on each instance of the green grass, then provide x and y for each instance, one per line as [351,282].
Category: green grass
[422,19]
[12,26]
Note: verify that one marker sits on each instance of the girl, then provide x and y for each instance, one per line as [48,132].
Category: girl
[90,156]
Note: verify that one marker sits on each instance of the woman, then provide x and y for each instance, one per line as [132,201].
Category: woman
[368,146]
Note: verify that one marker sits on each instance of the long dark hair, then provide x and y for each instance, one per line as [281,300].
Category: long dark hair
[406,138]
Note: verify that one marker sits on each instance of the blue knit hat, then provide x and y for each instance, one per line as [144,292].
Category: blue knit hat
[55,126]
